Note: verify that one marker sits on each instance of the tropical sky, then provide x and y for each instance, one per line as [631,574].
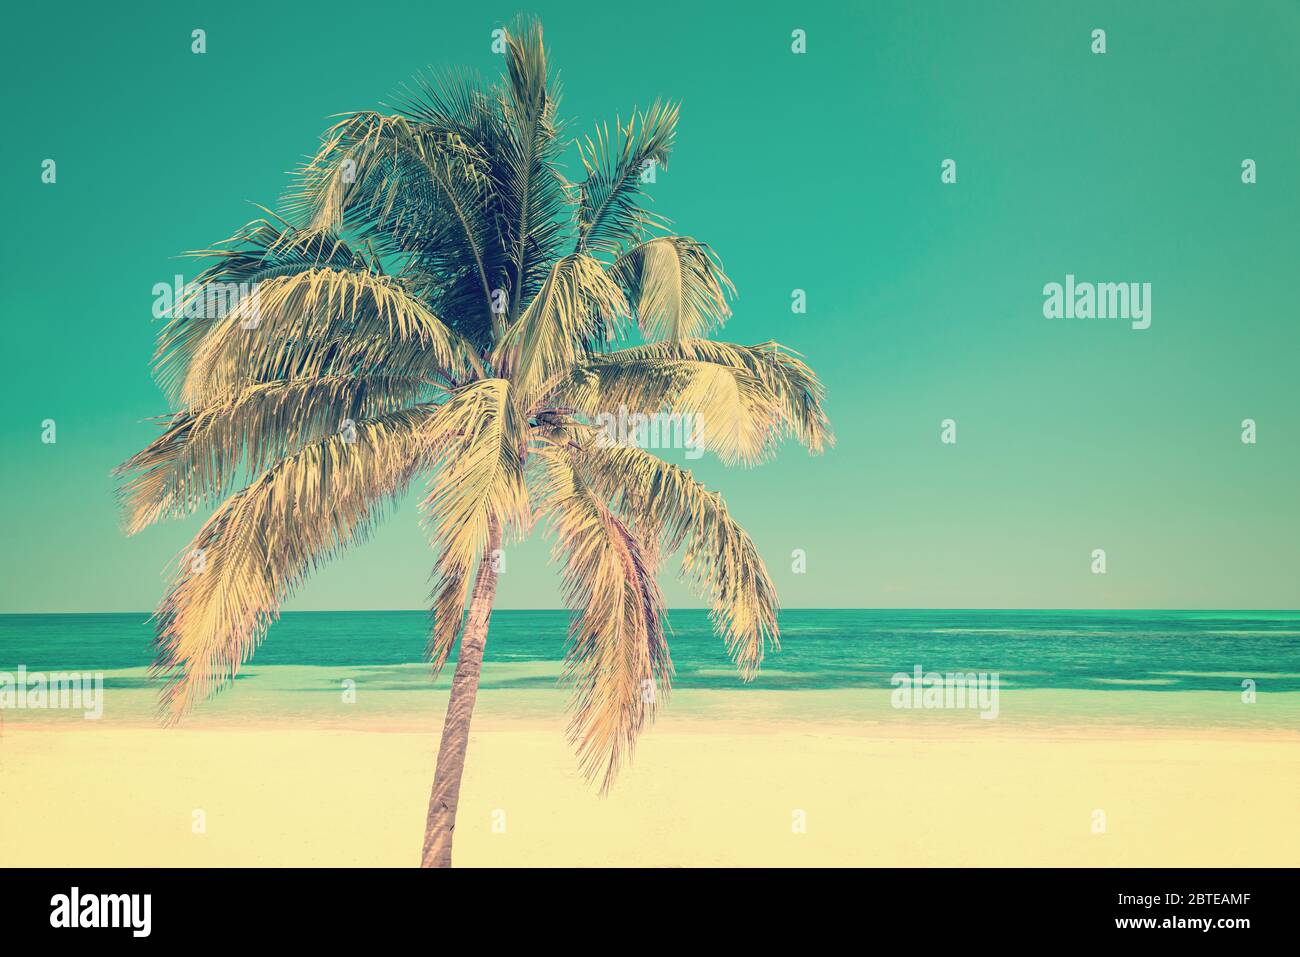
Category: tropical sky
[818,171]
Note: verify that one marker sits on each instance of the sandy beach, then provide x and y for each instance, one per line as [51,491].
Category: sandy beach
[790,783]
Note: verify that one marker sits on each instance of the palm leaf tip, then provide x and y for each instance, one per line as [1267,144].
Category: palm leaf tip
[611,213]
[617,663]
[677,287]
[667,504]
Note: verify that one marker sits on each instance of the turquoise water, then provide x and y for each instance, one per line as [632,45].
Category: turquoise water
[821,649]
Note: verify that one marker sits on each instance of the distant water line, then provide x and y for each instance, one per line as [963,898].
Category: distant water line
[821,649]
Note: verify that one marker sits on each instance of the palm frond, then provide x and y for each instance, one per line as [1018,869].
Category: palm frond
[202,453]
[743,399]
[264,248]
[376,169]
[611,214]
[319,321]
[478,483]
[676,286]
[561,324]
[417,189]
[664,502]
[259,250]
[259,545]
[617,660]
[530,190]
[454,100]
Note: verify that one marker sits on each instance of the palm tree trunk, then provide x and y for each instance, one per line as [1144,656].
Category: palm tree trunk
[445,795]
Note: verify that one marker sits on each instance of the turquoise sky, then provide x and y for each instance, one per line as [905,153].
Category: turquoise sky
[818,171]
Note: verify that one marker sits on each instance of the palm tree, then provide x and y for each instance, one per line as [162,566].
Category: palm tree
[437,301]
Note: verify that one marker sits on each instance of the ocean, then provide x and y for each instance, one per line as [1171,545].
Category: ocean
[821,649]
